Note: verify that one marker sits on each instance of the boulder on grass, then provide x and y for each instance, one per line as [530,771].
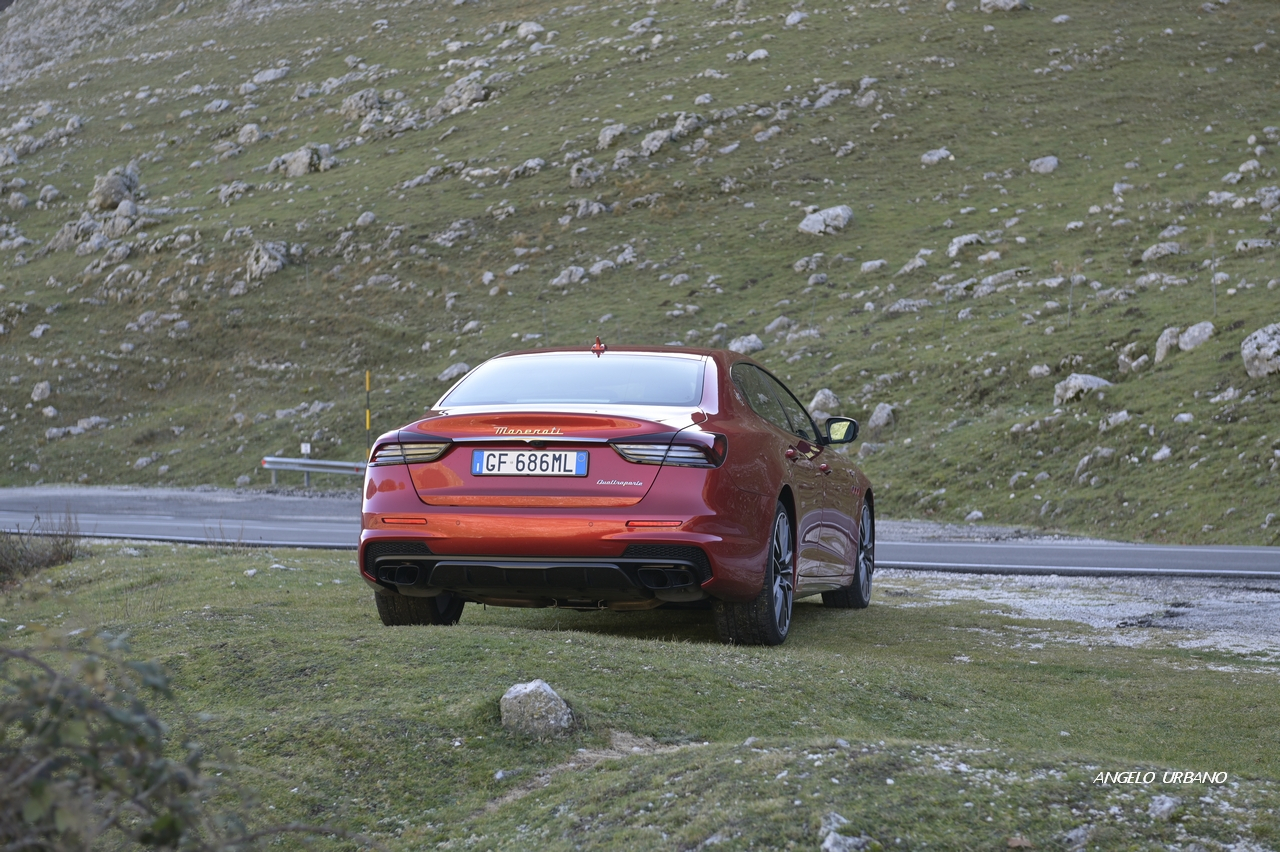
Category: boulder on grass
[1260,351]
[1076,386]
[534,708]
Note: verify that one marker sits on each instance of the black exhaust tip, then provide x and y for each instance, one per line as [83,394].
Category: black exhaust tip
[400,575]
[665,578]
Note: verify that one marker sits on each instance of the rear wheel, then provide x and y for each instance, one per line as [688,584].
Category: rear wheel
[767,619]
[857,595]
[399,610]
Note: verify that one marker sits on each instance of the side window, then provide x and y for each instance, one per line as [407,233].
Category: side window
[800,423]
[755,387]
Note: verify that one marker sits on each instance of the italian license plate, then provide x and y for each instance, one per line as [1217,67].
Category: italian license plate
[528,462]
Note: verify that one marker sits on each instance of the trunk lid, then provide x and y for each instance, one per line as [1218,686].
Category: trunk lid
[490,451]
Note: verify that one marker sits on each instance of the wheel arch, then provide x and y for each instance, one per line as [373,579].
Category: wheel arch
[788,501]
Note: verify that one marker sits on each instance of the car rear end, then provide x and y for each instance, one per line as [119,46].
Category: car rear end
[557,479]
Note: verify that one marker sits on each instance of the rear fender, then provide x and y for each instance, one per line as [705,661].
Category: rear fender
[739,562]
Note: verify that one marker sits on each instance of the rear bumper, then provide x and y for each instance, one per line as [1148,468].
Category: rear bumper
[644,576]
[495,554]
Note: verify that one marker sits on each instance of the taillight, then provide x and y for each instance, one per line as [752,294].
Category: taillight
[407,453]
[691,449]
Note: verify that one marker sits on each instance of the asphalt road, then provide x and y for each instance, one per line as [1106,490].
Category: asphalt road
[252,519]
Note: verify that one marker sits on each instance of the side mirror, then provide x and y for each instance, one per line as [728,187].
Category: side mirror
[842,430]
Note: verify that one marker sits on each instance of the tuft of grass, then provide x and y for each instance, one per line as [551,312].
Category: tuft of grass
[42,546]
[396,733]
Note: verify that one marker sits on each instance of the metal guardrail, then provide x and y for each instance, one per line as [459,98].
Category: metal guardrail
[310,466]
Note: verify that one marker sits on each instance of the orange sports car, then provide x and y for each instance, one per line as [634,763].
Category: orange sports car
[621,478]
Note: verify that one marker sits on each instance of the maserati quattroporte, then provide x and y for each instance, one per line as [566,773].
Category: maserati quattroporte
[620,478]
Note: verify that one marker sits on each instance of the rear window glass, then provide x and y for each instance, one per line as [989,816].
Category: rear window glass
[581,379]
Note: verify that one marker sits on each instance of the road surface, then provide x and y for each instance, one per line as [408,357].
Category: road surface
[256,519]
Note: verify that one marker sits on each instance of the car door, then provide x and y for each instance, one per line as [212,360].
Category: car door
[818,564]
[764,395]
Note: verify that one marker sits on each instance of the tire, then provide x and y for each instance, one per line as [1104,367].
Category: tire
[767,619]
[400,610]
[857,595]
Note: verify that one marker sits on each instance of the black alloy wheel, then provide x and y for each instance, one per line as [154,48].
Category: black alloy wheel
[766,620]
[857,595]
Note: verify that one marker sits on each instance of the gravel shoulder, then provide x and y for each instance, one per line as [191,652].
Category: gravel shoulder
[1237,617]
[913,530]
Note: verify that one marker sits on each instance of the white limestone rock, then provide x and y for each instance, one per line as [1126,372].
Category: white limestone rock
[1196,335]
[249,134]
[881,418]
[1044,165]
[460,95]
[746,344]
[824,400]
[529,30]
[937,155]
[608,134]
[958,243]
[40,392]
[569,275]
[1119,418]
[912,265]
[454,371]
[534,708]
[1250,246]
[1260,351]
[583,173]
[1076,386]
[1039,371]
[828,221]
[265,258]
[1162,807]
[357,106]
[907,306]
[1128,363]
[874,265]
[654,141]
[270,75]
[1165,342]
[115,186]
[1159,250]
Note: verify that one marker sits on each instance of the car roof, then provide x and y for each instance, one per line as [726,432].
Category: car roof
[670,351]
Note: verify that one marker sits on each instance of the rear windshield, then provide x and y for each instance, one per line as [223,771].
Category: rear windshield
[581,378]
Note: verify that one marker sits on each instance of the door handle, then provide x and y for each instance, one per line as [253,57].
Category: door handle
[790,453]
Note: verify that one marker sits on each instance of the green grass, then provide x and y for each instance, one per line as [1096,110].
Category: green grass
[397,732]
[1135,96]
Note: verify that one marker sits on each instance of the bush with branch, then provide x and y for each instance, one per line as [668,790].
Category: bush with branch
[85,763]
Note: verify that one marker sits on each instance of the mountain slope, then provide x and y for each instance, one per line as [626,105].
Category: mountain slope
[477,182]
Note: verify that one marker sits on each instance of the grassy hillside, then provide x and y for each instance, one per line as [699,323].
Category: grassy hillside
[494,198]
